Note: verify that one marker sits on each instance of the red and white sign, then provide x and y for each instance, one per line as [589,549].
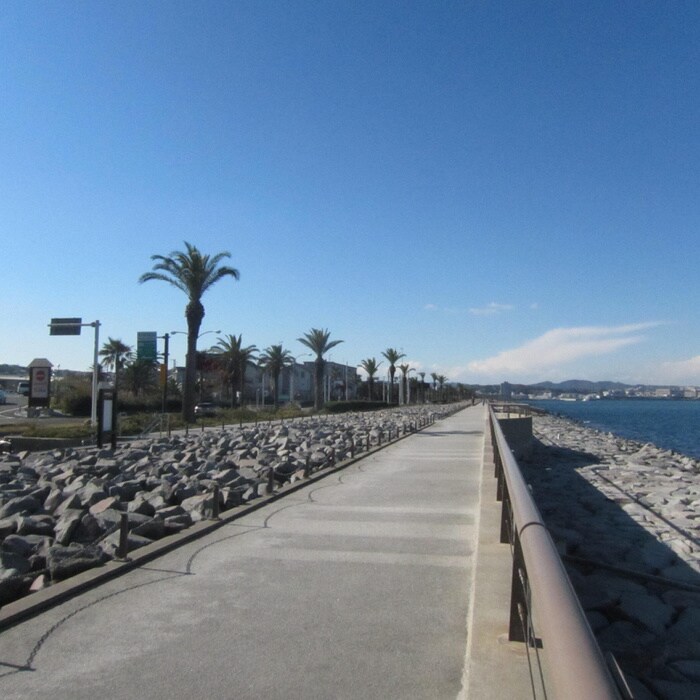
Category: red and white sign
[39,383]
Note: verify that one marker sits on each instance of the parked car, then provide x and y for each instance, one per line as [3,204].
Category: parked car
[205,409]
[23,388]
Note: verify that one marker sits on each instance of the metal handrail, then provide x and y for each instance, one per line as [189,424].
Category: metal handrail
[542,591]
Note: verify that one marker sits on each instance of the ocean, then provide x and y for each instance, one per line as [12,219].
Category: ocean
[669,424]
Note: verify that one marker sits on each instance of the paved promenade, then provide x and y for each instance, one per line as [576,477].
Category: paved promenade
[355,587]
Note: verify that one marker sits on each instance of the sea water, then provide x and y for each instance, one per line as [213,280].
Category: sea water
[667,423]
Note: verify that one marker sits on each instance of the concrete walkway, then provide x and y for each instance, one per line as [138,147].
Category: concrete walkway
[355,587]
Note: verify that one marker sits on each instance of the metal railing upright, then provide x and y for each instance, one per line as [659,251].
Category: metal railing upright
[545,611]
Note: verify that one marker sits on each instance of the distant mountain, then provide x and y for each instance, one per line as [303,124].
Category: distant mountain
[13,370]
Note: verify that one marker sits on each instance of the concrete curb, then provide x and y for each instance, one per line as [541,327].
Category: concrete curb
[495,668]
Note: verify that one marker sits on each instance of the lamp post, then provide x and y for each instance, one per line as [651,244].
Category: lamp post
[408,384]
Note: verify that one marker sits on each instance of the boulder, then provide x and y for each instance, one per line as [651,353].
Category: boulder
[21,504]
[66,526]
[64,562]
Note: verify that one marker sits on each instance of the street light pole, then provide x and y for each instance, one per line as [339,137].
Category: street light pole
[164,378]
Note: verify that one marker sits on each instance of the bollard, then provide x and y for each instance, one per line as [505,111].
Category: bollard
[369,445]
[270,481]
[123,548]
[306,467]
[215,503]
[352,449]
[333,457]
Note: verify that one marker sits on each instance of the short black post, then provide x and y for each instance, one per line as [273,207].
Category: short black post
[270,480]
[123,548]
[307,464]
[215,502]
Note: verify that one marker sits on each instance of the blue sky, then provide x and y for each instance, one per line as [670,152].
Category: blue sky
[506,191]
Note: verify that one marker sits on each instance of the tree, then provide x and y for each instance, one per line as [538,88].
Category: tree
[140,375]
[236,358]
[441,379]
[273,360]
[193,273]
[392,356]
[370,366]
[114,354]
[317,341]
[404,380]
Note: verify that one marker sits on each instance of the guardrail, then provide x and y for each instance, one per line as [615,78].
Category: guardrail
[545,612]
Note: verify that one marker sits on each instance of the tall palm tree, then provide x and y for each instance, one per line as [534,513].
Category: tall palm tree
[441,379]
[193,273]
[273,360]
[236,358]
[422,387]
[317,341]
[404,381]
[114,354]
[371,366]
[392,356]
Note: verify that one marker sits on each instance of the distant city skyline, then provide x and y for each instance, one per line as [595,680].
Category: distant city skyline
[502,191]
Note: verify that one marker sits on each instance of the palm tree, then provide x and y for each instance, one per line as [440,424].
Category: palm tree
[371,366]
[317,341]
[114,353]
[441,379]
[392,356]
[422,387]
[404,383]
[140,375]
[193,273]
[273,360]
[236,359]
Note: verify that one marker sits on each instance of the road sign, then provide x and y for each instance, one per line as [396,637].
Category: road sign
[65,326]
[146,345]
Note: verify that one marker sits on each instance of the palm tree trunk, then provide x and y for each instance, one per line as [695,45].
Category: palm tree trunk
[318,387]
[194,314]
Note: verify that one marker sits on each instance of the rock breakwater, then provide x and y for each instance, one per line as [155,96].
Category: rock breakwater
[61,510]
[626,518]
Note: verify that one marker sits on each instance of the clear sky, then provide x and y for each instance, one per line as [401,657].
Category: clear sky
[506,191]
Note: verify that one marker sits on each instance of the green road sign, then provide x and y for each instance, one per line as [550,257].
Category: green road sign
[65,326]
[147,345]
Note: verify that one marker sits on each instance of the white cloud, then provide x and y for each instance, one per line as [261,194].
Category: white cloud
[430,307]
[490,309]
[681,371]
[547,355]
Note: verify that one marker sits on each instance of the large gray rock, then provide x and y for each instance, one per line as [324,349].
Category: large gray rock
[21,504]
[64,562]
[66,525]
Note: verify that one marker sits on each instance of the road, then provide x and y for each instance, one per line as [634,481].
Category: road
[355,587]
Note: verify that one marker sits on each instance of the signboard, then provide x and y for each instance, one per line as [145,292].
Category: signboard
[147,345]
[65,326]
[39,383]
